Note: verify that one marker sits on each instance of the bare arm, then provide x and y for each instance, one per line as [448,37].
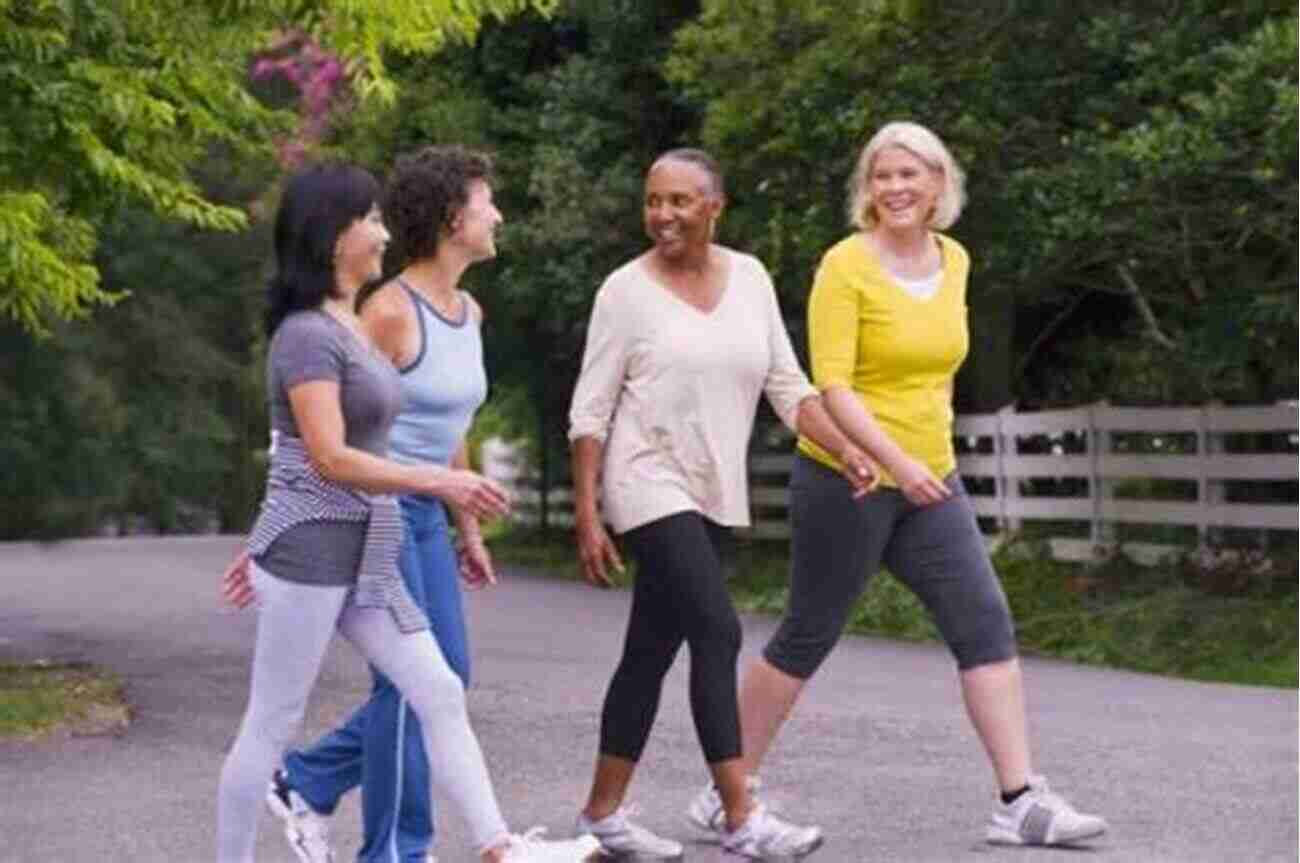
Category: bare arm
[390,320]
[319,417]
[815,423]
[596,550]
[914,479]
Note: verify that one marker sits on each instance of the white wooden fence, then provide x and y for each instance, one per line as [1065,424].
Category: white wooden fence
[1088,474]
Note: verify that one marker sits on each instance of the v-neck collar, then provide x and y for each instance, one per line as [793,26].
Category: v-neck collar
[707,314]
[873,259]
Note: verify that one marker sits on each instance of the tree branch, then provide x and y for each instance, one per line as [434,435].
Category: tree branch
[1144,308]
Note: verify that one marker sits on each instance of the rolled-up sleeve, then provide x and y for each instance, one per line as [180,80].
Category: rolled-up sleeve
[786,385]
[604,365]
[833,324]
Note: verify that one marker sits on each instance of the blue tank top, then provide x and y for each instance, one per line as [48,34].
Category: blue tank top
[442,388]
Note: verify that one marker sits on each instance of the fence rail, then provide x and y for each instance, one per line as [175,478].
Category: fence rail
[1087,479]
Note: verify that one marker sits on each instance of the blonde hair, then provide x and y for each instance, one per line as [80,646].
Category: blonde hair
[924,145]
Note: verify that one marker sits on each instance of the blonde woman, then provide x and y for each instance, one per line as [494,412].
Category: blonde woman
[887,332]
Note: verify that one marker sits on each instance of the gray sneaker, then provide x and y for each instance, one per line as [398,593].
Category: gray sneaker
[764,836]
[1039,817]
[623,839]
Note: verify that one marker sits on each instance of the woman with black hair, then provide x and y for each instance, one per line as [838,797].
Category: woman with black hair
[325,543]
[438,205]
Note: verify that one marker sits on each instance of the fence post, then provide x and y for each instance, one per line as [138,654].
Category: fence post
[1101,533]
[1008,486]
[1204,447]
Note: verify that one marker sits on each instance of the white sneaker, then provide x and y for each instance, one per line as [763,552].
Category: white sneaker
[764,836]
[532,848]
[706,813]
[308,831]
[620,837]
[1039,817]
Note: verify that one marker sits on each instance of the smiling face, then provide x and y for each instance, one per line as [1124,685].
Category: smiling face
[474,227]
[681,206]
[359,253]
[903,190]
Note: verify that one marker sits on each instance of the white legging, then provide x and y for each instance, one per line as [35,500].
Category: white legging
[294,627]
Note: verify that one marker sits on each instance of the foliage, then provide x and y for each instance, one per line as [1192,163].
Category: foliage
[112,102]
[1132,213]
[1132,174]
[154,409]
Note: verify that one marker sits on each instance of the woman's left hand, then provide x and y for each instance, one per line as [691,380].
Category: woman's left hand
[859,470]
[237,583]
[476,568]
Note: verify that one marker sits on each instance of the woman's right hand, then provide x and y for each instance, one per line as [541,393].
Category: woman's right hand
[596,552]
[472,493]
[237,583]
[918,484]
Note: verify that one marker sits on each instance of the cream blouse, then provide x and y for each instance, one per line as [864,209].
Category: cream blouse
[671,391]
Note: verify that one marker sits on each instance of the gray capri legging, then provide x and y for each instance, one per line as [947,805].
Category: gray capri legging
[838,543]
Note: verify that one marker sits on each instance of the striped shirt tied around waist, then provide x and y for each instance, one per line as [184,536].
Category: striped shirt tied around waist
[296,493]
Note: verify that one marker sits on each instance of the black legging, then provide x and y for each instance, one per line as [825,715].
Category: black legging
[679,596]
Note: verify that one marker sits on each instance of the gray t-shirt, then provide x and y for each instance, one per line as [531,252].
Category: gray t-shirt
[313,346]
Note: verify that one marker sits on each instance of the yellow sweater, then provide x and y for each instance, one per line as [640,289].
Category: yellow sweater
[897,352]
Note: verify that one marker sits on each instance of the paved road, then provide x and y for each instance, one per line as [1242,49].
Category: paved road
[879,753]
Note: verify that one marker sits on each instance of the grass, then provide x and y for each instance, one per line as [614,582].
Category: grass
[1232,625]
[41,699]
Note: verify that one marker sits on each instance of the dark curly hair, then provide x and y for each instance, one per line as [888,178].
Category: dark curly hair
[426,190]
[318,205]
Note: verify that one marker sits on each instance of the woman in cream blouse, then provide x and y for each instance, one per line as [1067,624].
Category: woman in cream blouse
[682,342]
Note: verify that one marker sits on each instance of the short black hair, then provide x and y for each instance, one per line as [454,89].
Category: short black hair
[318,204]
[426,190]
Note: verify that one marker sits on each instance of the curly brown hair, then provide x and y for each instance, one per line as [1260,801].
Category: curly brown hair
[426,190]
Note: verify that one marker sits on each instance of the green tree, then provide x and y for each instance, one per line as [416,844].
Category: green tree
[113,101]
[150,414]
[1106,146]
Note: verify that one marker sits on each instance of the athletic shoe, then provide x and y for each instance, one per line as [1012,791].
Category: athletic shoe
[1039,817]
[624,839]
[532,848]
[308,831]
[706,814]
[764,836]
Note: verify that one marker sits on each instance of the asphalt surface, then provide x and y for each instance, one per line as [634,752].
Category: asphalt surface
[879,752]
